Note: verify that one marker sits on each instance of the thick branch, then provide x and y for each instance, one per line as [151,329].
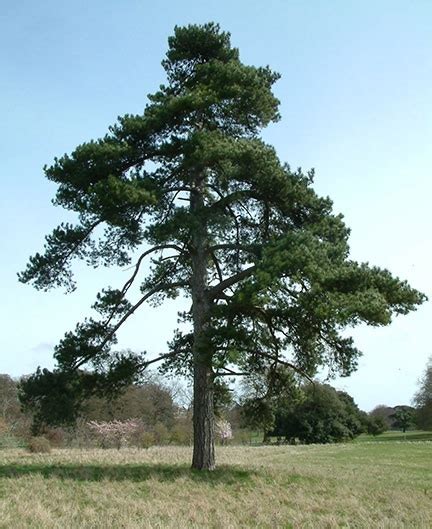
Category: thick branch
[234,197]
[158,359]
[230,372]
[230,281]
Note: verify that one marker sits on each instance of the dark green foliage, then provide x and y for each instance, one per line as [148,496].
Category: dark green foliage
[323,415]
[376,425]
[395,418]
[310,413]
[190,185]
[403,417]
[355,419]
[423,417]
[267,398]
[58,397]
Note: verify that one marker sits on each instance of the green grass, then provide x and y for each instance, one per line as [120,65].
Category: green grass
[411,435]
[355,485]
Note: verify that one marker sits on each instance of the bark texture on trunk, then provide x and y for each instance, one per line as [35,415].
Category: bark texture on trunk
[203,416]
[203,419]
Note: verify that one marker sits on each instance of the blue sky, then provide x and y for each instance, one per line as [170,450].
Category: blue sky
[355,102]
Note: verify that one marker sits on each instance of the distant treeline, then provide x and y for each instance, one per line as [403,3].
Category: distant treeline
[306,413]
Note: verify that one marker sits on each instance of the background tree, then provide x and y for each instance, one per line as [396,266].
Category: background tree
[403,417]
[385,413]
[189,184]
[267,399]
[9,403]
[150,402]
[423,399]
[355,418]
[12,417]
[322,415]
[376,425]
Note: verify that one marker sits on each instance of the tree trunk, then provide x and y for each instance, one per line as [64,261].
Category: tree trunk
[203,413]
[203,419]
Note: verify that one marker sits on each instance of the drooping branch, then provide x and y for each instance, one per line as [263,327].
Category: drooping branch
[113,330]
[137,266]
[60,247]
[279,360]
[148,295]
[75,247]
[143,256]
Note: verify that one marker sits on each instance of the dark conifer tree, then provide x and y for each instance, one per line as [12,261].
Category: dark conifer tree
[190,185]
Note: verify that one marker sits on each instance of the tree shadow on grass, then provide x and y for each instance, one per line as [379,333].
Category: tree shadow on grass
[128,472]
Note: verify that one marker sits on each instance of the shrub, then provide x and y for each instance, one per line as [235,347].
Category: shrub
[181,433]
[242,437]
[55,436]
[160,433]
[147,439]
[4,427]
[9,441]
[39,445]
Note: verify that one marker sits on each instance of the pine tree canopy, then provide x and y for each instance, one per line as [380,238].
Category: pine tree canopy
[189,186]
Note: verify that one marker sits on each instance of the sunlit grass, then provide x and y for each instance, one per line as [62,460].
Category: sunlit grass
[385,485]
[411,435]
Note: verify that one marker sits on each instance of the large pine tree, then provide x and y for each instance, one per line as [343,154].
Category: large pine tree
[191,186]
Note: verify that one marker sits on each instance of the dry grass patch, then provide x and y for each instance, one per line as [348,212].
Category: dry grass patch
[354,486]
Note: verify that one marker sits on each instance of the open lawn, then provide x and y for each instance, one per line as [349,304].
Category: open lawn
[367,485]
[411,435]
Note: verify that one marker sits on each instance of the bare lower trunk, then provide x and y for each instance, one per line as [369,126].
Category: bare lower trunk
[203,416]
[203,419]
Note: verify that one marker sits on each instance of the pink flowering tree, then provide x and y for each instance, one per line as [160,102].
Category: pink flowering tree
[117,433]
[224,430]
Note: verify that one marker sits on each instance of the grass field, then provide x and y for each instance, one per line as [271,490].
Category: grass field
[356,485]
[411,435]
